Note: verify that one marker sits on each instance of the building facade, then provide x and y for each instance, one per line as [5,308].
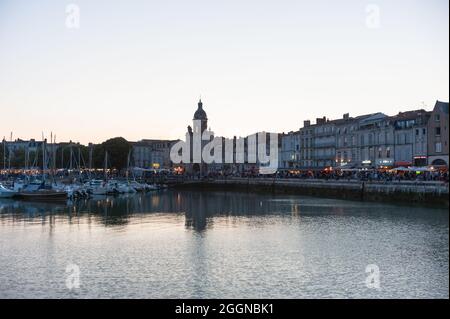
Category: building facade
[375,136]
[290,150]
[410,135]
[152,154]
[307,145]
[348,154]
[324,143]
[368,141]
[438,135]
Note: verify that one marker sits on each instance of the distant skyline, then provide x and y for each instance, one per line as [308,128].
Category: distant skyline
[137,68]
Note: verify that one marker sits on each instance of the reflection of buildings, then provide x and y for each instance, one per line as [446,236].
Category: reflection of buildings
[198,208]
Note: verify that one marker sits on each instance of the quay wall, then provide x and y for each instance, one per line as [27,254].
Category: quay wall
[429,193]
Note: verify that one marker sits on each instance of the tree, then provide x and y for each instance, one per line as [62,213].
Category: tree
[117,148]
[79,153]
[2,155]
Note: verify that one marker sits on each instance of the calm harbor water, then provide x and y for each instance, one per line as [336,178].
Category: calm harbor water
[222,245]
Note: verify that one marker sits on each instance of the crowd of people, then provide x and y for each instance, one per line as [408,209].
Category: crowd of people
[336,174]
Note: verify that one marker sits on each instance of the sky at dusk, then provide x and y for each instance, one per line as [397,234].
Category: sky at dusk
[137,68]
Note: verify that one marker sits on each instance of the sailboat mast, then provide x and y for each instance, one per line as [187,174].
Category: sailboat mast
[43,157]
[9,153]
[4,153]
[71,154]
[90,161]
[54,153]
[106,166]
[90,156]
[128,165]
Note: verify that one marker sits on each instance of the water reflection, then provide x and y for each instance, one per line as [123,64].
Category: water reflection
[183,244]
[198,208]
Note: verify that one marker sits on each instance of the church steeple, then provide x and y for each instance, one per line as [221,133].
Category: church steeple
[200,114]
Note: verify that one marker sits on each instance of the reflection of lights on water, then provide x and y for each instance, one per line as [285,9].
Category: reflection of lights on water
[295,209]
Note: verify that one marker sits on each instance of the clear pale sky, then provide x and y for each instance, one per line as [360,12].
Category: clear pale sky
[137,68]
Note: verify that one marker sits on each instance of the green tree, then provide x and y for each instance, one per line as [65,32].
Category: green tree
[2,158]
[117,148]
[80,153]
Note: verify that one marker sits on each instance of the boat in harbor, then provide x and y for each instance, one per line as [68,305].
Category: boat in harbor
[6,192]
[97,187]
[43,195]
[40,191]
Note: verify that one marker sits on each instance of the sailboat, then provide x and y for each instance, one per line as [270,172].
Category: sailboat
[42,192]
[6,192]
[99,187]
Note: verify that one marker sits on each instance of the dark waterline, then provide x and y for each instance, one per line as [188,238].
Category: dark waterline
[191,244]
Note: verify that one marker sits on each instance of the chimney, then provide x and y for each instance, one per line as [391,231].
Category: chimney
[321,120]
[346,116]
[306,123]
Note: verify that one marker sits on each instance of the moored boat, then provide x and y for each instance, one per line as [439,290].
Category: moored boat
[43,195]
[6,192]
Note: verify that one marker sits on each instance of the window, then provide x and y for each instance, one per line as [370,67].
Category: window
[437,118]
[379,152]
[424,131]
[438,131]
[438,147]
[388,152]
[417,131]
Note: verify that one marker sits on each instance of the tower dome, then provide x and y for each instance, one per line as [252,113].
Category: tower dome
[200,114]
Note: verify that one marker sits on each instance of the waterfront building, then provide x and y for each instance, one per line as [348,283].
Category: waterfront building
[306,142]
[200,126]
[151,153]
[348,154]
[438,135]
[410,130]
[375,138]
[324,143]
[20,145]
[290,150]
[363,141]
[242,158]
